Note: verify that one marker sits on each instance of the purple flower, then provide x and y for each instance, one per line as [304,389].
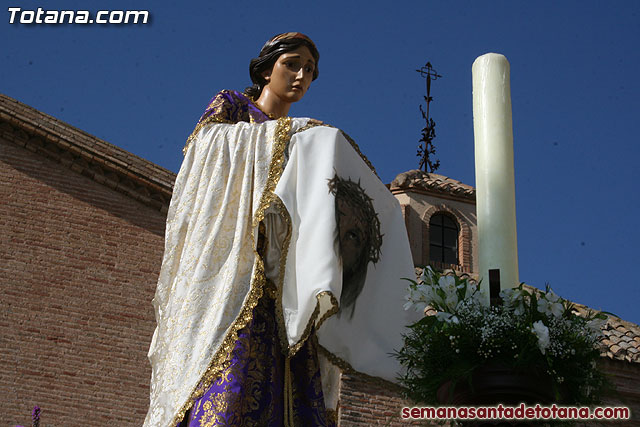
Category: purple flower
[35,416]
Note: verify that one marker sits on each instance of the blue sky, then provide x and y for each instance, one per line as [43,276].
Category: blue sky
[574,87]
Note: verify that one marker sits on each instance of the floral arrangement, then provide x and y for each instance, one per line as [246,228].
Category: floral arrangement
[528,331]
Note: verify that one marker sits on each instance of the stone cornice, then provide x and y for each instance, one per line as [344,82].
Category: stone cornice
[84,153]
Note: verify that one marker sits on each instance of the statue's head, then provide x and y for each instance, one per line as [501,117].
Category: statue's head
[271,51]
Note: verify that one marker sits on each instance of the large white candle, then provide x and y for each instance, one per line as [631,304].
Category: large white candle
[495,188]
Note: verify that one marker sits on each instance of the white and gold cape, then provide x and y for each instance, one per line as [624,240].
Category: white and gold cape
[212,277]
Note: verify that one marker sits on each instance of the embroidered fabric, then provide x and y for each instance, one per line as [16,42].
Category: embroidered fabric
[211,277]
[212,289]
[251,391]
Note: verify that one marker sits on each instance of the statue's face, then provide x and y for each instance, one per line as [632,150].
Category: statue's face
[291,75]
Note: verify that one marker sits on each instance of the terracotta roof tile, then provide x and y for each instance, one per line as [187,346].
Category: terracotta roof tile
[625,345]
[621,339]
[420,181]
[625,337]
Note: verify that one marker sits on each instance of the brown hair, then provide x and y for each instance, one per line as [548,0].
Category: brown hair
[269,54]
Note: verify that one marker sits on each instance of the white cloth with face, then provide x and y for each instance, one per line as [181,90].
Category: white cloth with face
[364,339]
[211,277]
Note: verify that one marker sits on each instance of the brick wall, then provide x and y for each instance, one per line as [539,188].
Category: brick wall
[625,378]
[367,403]
[364,402]
[78,268]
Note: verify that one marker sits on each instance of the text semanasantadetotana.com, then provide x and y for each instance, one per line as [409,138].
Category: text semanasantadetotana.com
[41,16]
[521,412]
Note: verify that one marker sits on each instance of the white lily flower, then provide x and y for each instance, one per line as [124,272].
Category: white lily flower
[557,309]
[551,296]
[428,294]
[451,301]
[414,297]
[447,317]
[506,294]
[478,298]
[409,289]
[414,294]
[542,332]
[550,307]
[513,299]
[427,275]
[410,297]
[543,306]
[447,284]
[420,306]
[470,291]
[596,325]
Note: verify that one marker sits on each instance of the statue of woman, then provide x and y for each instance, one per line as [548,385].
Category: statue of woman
[256,254]
[250,390]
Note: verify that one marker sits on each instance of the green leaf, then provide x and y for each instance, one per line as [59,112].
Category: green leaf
[409,280]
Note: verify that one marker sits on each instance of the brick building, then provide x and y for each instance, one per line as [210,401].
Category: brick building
[81,245]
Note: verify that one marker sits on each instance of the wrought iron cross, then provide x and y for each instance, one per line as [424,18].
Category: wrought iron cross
[426,147]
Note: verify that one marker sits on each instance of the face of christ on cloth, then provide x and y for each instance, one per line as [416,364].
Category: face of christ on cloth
[358,235]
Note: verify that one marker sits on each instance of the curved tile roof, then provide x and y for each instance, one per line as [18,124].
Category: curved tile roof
[420,181]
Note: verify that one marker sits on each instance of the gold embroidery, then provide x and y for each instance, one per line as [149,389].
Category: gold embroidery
[335,307]
[355,147]
[332,416]
[212,409]
[271,116]
[346,367]
[237,407]
[209,120]
[221,110]
[312,320]
[288,394]
[221,359]
[307,366]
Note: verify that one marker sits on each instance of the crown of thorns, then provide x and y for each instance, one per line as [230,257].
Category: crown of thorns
[353,194]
